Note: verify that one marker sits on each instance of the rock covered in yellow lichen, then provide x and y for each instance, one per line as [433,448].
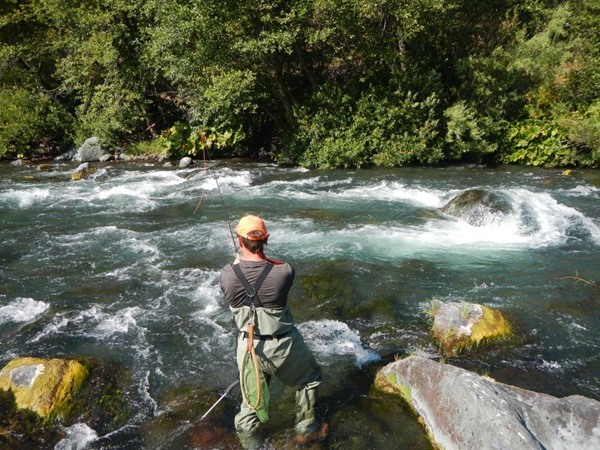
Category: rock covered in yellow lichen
[43,385]
[83,174]
[462,326]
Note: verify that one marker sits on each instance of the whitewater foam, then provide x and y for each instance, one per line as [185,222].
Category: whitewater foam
[77,437]
[395,191]
[122,322]
[22,310]
[331,337]
[24,198]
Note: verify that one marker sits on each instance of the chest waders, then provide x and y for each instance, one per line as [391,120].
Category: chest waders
[252,380]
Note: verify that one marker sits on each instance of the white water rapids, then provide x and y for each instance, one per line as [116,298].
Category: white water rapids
[118,267]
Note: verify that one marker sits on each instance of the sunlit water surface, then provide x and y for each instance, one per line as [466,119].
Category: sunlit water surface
[120,267]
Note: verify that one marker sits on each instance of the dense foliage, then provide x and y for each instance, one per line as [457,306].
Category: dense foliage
[323,83]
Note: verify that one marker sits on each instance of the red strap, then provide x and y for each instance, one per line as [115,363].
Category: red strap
[272,261]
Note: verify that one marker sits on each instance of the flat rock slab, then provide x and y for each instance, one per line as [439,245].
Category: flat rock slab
[42,385]
[462,410]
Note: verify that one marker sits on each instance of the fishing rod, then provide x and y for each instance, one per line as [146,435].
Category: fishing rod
[225,394]
[236,256]
[227,221]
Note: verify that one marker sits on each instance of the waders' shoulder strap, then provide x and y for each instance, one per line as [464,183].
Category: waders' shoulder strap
[252,291]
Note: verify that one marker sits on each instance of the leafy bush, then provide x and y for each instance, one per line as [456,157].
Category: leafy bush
[27,120]
[464,134]
[583,130]
[379,128]
[110,114]
[539,143]
[182,140]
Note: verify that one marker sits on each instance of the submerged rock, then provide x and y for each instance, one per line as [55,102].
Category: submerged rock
[478,207]
[83,171]
[45,386]
[461,326]
[462,410]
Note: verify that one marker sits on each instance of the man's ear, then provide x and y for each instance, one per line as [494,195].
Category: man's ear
[240,242]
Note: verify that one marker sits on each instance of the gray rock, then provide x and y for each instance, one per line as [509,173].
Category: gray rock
[82,167]
[67,156]
[478,207]
[185,162]
[17,162]
[107,157]
[462,410]
[91,150]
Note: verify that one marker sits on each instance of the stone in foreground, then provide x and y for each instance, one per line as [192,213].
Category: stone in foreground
[462,410]
[43,385]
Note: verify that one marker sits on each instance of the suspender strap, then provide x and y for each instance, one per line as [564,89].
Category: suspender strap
[252,291]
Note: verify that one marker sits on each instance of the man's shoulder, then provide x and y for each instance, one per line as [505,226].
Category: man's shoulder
[227,268]
[284,269]
[281,268]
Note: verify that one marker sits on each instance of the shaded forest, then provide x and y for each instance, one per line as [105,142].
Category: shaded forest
[322,83]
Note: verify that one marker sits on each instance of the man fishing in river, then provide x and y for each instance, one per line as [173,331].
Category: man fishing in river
[269,344]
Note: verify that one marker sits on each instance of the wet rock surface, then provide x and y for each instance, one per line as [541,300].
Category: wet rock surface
[461,409]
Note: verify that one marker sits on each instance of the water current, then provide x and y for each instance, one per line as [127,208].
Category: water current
[124,267]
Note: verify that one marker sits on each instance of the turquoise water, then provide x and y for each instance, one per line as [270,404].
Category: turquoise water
[119,267]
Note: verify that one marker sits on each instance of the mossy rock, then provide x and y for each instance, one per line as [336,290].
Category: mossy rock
[23,429]
[93,393]
[45,386]
[103,402]
[459,327]
[83,174]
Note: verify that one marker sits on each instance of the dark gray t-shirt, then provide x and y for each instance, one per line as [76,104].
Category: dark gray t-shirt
[273,292]
[273,317]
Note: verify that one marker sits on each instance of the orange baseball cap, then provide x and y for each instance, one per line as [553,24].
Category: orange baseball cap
[250,223]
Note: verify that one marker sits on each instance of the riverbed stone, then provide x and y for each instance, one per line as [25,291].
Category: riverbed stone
[91,150]
[461,326]
[462,410]
[43,385]
[185,162]
[478,207]
[83,171]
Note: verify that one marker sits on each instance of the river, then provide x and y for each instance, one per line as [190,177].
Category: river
[124,266]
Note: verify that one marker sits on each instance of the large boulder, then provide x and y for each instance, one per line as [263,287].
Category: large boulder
[39,397]
[460,326]
[478,207]
[45,386]
[462,410]
[91,150]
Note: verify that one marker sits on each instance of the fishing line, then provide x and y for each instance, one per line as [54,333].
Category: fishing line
[226,211]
